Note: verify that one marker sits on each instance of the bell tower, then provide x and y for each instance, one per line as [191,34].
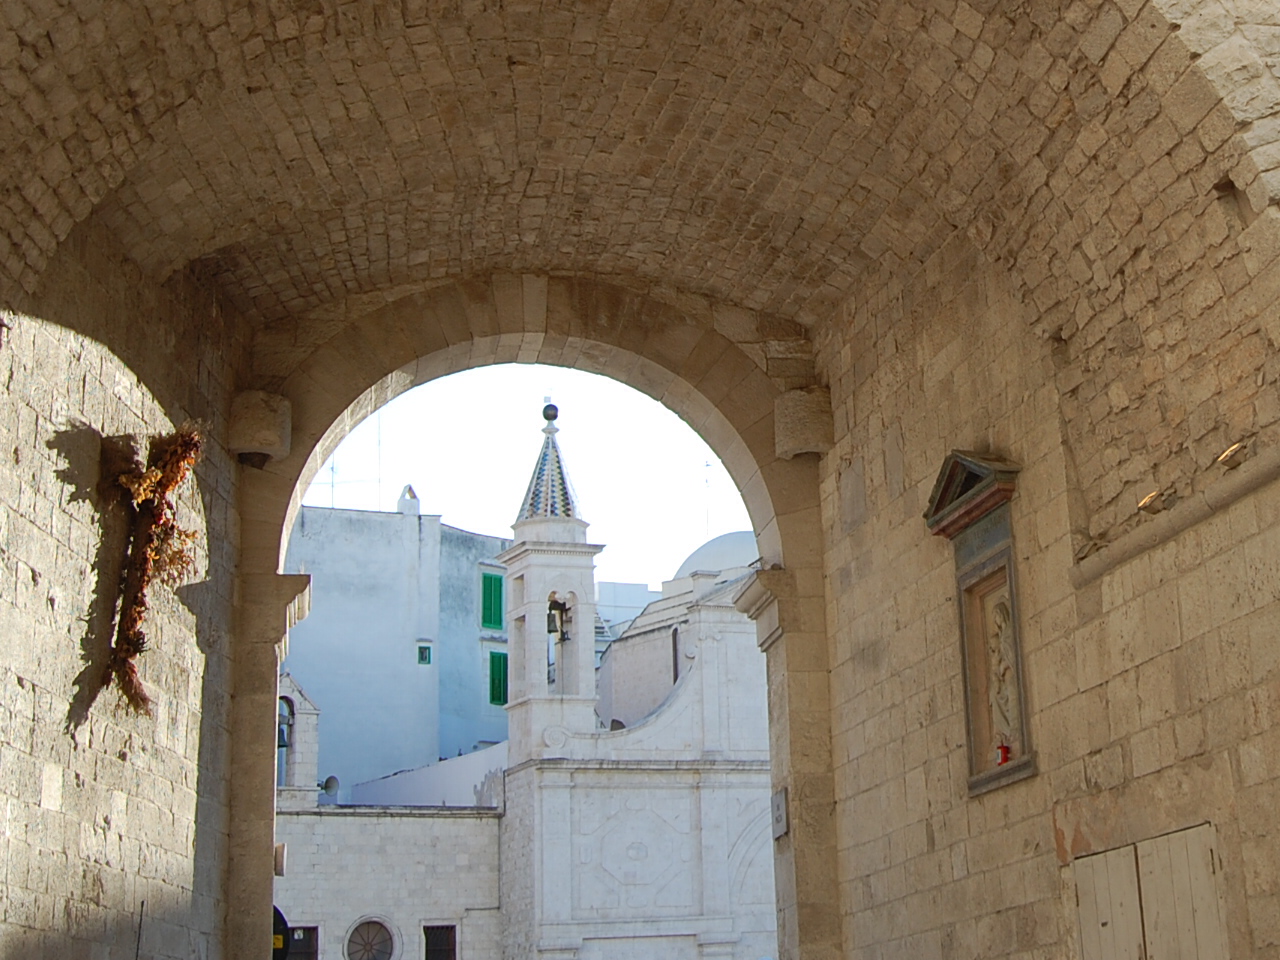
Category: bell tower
[551,613]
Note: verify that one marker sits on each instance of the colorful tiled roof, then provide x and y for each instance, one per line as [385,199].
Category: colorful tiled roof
[549,493]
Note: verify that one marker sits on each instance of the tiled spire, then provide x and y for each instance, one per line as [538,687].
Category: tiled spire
[549,493]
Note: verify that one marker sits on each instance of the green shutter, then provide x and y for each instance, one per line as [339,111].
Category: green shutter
[491,601]
[497,677]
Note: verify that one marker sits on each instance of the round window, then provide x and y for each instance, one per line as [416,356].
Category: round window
[370,940]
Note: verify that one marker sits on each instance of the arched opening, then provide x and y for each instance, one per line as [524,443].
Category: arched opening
[1109,168]
[713,723]
[693,369]
[284,741]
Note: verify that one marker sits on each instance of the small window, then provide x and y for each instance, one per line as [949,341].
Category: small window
[303,943]
[491,601]
[497,677]
[424,655]
[442,943]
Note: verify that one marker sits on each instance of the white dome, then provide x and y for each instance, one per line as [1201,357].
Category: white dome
[721,553]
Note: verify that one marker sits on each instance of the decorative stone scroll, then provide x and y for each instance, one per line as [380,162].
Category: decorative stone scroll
[970,507]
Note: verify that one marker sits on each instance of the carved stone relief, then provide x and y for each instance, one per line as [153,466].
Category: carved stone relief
[970,507]
[635,852]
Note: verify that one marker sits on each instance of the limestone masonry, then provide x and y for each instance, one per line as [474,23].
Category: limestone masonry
[1045,232]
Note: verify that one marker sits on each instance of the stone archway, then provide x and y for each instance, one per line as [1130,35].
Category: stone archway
[714,383]
[829,163]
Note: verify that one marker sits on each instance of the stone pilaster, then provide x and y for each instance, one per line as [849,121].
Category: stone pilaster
[805,877]
[269,604]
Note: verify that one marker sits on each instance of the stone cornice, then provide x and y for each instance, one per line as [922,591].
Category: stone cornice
[343,810]
[551,548]
[703,765]
[763,589]
[1255,473]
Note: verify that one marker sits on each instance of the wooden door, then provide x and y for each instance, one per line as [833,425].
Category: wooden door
[1110,908]
[1155,900]
[1180,906]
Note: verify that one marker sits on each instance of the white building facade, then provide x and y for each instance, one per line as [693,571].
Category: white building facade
[398,650]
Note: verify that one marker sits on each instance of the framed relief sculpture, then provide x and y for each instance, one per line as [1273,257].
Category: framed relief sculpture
[970,507]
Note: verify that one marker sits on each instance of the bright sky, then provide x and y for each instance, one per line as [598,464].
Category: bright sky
[652,491]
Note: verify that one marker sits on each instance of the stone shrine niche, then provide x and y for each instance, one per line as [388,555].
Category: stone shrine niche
[970,507]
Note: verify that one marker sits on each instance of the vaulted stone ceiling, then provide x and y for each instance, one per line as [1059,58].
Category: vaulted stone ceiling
[762,153]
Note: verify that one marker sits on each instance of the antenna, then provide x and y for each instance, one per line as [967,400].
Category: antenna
[706,499]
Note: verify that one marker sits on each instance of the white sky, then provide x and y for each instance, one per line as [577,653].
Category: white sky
[652,491]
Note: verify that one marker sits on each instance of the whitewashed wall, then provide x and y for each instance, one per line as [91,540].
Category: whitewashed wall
[382,584]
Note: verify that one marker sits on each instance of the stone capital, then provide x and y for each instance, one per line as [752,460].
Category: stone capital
[288,592]
[271,605]
[261,427]
[764,598]
[802,422]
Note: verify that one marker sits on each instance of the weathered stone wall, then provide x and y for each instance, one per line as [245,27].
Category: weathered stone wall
[406,867]
[920,371]
[104,809]
[1141,234]
[1151,690]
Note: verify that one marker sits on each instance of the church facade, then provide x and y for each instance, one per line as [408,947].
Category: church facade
[853,245]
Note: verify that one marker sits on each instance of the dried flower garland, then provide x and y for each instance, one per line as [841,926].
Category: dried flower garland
[159,548]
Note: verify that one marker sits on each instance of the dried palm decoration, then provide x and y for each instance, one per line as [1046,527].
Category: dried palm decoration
[159,549]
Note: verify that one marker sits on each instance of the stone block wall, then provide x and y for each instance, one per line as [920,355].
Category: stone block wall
[103,808]
[1138,229]
[520,869]
[923,370]
[636,674]
[1151,688]
[1115,166]
[1164,350]
[405,867]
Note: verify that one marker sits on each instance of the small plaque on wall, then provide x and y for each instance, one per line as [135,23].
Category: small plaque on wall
[779,806]
[970,506]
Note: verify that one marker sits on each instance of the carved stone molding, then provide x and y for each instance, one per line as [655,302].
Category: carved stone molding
[970,507]
[759,599]
[968,487]
[1258,471]
[264,600]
